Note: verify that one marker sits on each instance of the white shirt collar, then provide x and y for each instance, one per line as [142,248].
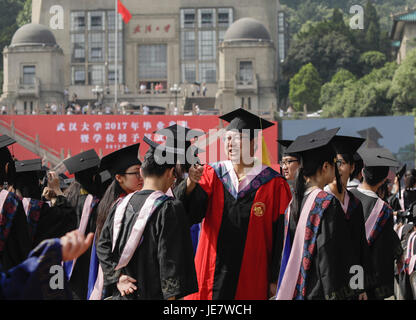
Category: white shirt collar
[368,192]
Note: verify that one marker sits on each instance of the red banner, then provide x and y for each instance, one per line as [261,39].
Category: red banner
[70,134]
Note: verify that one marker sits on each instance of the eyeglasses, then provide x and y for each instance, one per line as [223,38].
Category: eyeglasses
[287,162]
[138,176]
[340,163]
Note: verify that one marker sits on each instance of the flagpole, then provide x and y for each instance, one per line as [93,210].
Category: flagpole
[116,58]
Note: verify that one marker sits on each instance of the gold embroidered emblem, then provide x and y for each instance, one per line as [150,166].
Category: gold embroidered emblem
[259,208]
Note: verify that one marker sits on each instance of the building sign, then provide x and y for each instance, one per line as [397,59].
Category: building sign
[152,28]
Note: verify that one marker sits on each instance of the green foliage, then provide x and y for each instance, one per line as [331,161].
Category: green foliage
[367,96]
[305,88]
[403,88]
[370,60]
[25,15]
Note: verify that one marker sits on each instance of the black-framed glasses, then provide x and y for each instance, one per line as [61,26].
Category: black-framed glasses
[287,162]
[138,176]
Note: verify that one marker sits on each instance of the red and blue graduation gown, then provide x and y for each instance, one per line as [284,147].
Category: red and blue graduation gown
[241,235]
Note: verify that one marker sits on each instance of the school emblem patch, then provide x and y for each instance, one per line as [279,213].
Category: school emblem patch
[259,208]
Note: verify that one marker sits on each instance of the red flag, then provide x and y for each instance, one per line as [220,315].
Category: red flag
[125,14]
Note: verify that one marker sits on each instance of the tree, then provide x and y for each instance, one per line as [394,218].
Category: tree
[367,96]
[25,15]
[370,60]
[305,88]
[403,88]
[331,91]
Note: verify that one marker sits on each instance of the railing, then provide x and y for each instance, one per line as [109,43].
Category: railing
[30,143]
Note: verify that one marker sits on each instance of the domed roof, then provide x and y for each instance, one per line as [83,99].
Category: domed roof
[33,34]
[247,29]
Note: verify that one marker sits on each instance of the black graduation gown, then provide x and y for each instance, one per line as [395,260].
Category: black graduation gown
[163,263]
[55,221]
[329,273]
[383,252]
[402,277]
[409,197]
[79,278]
[356,225]
[18,242]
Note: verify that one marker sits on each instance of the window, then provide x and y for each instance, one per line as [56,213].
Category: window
[96,47]
[206,18]
[111,21]
[96,20]
[207,45]
[188,45]
[78,75]
[246,71]
[77,21]
[111,46]
[225,16]
[96,74]
[152,62]
[281,43]
[208,72]
[281,22]
[29,74]
[189,72]
[78,47]
[111,73]
[188,18]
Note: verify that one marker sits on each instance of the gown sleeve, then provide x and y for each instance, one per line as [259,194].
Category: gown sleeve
[55,221]
[196,203]
[175,252]
[31,279]
[104,252]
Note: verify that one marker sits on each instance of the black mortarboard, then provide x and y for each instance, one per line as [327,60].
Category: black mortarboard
[377,157]
[119,161]
[166,152]
[346,144]
[240,119]
[28,165]
[82,161]
[5,141]
[313,146]
[105,176]
[285,144]
[181,136]
[399,175]
[312,141]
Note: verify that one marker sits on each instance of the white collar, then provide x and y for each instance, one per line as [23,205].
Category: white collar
[368,192]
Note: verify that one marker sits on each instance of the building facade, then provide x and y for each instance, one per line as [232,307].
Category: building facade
[403,33]
[168,53]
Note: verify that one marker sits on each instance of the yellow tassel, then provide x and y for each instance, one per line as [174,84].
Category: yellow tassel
[265,153]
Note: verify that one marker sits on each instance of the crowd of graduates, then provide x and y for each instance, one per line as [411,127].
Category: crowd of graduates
[167,227]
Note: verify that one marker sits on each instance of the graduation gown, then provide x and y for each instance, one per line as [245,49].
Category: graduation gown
[79,278]
[241,234]
[30,280]
[403,278]
[354,215]
[48,222]
[409,196]
[325,270]
[385,248]
[15,241]
[163,262]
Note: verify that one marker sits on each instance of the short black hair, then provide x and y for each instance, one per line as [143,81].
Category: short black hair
[374,175]
[150,167]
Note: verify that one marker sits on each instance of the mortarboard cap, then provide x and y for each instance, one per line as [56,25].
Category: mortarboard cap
[5,141]
[28,165]
[240,119]
[181,136]
[346,144]
[105,176]
[312,141]
[118,161]
[286,144]
[377,157]
[166,152]
[82,161]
